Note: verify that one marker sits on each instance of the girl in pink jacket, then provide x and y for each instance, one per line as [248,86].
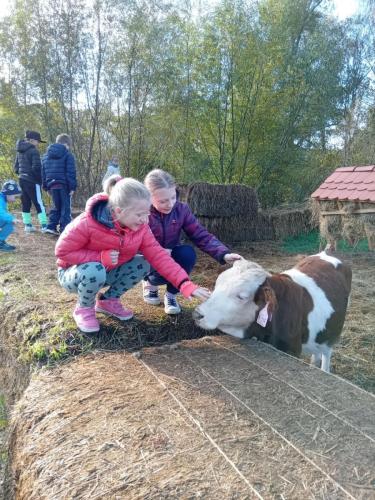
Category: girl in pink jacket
[101,248]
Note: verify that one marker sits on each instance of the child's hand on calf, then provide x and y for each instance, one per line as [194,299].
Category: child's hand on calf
[231,257]
[201,293]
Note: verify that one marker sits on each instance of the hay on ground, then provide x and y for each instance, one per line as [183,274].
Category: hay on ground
[218,200]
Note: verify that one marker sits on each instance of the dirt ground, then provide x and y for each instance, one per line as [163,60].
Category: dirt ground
[35,314]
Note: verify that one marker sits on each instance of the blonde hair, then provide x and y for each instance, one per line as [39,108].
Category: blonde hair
[123,191]
[159,179]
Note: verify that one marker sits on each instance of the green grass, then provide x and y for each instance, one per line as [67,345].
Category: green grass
[3,419]
[310,243]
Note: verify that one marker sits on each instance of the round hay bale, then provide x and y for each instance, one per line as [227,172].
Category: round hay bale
[219,200]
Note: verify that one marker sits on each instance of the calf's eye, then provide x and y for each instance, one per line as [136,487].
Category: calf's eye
[243,296]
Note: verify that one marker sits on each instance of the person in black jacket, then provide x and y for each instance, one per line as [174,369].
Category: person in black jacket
[28,168]
[59,179]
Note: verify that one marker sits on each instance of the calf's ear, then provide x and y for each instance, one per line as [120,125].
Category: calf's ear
[270,298]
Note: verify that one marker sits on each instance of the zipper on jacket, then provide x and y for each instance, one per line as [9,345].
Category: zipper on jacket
[163,228]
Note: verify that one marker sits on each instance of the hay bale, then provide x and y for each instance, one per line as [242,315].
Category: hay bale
[291,221]
[182,190]
[330,226]
[238,228]
[352,229]
[218,200]
[368,221]
[349,207]
[181,423]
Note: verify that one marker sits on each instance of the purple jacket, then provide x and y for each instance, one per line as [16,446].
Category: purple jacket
[167,230]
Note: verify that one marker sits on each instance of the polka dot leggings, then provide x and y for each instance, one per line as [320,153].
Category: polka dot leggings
[87,279]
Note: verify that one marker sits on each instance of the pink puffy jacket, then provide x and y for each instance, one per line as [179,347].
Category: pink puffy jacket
[86,239]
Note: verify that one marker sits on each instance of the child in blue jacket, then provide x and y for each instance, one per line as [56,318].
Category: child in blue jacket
[9,191]
[59,179]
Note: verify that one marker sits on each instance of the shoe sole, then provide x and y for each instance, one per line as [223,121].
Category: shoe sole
[152,302]
[86,330]
[7,251]
[172,313]
[122,318]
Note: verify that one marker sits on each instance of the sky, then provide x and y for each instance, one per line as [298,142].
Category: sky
[345,8]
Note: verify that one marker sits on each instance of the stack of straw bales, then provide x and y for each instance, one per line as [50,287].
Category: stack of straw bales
[231,212]
[228,211]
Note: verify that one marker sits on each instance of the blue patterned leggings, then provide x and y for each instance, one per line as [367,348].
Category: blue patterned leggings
[87,279]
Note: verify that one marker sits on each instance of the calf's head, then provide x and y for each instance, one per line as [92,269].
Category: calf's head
[231,307]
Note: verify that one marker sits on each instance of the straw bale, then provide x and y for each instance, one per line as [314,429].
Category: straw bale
[238,228]
[369,224]
[218,200]
[352,229]
[291,221]
[330,227]
[175,423]
[348,206]
[183,190]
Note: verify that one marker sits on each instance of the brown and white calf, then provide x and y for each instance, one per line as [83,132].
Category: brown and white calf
[300,310]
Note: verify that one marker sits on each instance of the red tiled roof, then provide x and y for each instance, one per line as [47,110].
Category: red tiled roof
[348,183]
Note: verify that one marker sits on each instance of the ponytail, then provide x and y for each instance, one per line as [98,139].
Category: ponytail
[110,182]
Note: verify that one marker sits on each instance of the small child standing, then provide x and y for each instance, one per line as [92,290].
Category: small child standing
[168,218]
[59,179]
[9,191]
[28,168]
[101,247]
[112,169]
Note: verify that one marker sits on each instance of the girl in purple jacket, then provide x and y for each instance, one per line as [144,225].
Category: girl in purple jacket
[168,218]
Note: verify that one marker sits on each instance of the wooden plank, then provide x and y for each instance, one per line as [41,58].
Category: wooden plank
[356,212]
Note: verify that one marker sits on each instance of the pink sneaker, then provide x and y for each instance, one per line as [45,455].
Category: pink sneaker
[113,307]
[86,319]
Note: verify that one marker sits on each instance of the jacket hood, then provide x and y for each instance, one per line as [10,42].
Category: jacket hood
[56,151]
[22,146]
[97,207]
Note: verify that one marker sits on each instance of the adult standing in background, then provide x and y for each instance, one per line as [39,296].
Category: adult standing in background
[29,170]
[113,168]
[59,179]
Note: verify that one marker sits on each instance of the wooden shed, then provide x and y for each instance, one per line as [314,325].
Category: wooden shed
[346,205]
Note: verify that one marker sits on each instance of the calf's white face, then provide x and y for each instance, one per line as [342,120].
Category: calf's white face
[231,307]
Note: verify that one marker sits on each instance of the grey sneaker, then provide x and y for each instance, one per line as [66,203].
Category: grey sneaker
[29,228]
[150,293]
[51,231]
[171,306]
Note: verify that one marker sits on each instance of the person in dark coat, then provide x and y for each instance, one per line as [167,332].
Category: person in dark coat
[59,179]
[28,168]
[168,218]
